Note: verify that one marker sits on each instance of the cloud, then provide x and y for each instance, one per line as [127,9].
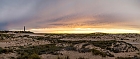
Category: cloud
[73,13]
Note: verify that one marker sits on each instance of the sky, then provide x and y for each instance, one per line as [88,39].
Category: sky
[71,16]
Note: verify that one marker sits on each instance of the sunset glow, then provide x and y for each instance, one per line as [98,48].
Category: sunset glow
[83,30]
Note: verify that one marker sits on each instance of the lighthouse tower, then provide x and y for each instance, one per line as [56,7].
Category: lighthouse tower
[24,28]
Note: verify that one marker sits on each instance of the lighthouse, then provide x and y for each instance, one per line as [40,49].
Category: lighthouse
[24,28]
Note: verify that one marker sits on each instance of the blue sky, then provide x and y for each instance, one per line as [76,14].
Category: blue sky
[40,14]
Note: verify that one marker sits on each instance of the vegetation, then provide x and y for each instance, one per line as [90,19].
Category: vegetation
[27,56]
[135,57]
[6,36]
[16,31]
[41,49]
[97,52]
[124,58]
[32,52]
[81,58]
[67,57]
[103,44]
[5,50]
[5,31]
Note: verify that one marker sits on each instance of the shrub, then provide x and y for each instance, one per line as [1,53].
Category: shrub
[41,49]
[123,58]
[34,56]
[5,50]
[28,56]
[96,52]
[81,58]
[67,57]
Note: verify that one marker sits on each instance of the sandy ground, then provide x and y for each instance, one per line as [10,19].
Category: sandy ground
[71,54]
[23,42]
[7,56]
[74,55]
[91,39]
